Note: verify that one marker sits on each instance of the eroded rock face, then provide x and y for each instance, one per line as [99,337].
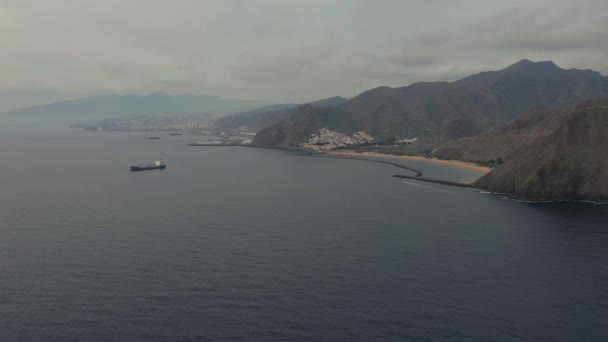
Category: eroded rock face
[569,164]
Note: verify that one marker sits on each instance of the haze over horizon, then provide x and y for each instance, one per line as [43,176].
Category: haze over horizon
[276,51]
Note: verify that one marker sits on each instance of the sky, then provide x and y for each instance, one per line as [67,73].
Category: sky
[279,51]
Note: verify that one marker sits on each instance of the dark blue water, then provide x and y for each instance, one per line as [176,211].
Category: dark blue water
[259,245]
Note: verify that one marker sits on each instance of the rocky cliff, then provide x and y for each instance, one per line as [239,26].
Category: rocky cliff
[567,164]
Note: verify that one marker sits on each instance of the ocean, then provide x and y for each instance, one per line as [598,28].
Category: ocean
[245,244]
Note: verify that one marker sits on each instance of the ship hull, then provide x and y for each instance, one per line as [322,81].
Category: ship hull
[146,168]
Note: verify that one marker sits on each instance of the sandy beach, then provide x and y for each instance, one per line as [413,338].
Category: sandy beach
[454,163]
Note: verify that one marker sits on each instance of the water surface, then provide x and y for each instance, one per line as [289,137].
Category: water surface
[250,244]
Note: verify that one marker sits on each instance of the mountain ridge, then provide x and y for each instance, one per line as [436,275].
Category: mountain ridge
[110,106]
[451,110]
[262,117]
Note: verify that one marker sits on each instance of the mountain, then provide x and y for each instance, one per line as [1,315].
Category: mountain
[569,163]
[262,117]
[125,106]
[303,122]
[502,142]
[447,110]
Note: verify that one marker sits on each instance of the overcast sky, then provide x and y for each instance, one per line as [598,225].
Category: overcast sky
[280,50]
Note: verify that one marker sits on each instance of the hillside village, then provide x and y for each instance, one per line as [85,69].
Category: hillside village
[325,139]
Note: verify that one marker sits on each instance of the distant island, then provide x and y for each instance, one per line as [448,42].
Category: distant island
[88,110]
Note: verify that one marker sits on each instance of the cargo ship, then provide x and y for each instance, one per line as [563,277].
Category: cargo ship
[158,165]
[154,138]
[175,134]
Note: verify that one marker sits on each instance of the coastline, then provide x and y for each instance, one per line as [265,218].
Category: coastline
[367,156]
[455,163]
[470,184]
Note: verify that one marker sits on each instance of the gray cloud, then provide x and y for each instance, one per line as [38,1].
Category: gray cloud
[280,51]
[115,69]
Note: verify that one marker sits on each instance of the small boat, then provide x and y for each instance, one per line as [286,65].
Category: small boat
[158,165]
[153,138]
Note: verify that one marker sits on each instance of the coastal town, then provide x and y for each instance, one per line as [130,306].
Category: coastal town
[321,140]
[194,125]
[325,139]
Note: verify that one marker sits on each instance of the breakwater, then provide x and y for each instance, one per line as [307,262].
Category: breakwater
[417,173]
[436,181]
[417,176]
